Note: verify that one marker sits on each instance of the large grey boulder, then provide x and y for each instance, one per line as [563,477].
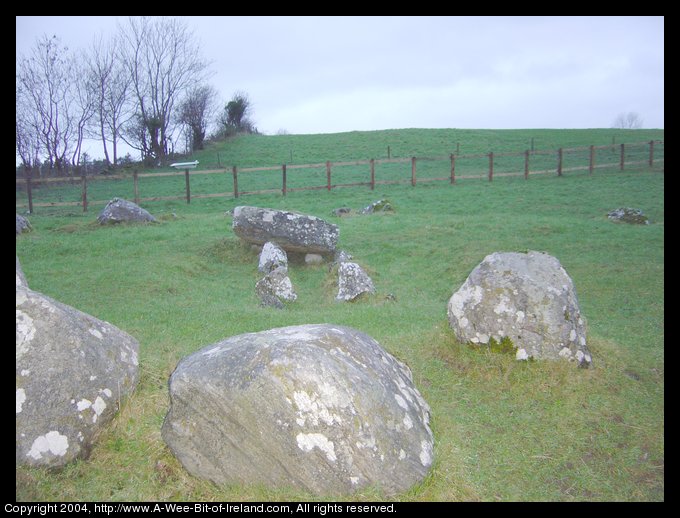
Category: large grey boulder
[292,231]
[73,371]
[23,225]
[319,407]
[119,210]
[352,282]
[527,298]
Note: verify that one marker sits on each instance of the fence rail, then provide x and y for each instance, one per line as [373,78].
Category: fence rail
[469,166]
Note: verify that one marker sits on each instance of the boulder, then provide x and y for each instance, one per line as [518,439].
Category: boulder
[341,211]
[524,299]
[271,257]
[275,287]
[23,225]
[352,281]
[292,231]
[119,210]
[313,259]
[322,408]
[377,206]
[73,372]
[628,215]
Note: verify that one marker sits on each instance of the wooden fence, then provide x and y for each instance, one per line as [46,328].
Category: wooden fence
[484,165]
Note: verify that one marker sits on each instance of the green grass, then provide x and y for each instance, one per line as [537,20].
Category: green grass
[504,430]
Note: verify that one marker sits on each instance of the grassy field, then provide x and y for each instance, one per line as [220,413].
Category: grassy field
[504,430]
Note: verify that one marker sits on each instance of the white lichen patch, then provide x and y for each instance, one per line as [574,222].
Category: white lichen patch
[316,408]
[107,392]
[402,454]
[52,442]
[308,441]
[467,295]
[425,453]
[99,406]
[21,399]
[25,372]
[83,404]
[25,332]
[96,333]
[565,352]
[521,354]
[408,424]
[400,401]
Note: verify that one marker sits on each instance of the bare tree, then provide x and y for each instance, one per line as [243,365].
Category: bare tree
[163,61]
[43,91]
[109,81]
[630,120]
[196,111]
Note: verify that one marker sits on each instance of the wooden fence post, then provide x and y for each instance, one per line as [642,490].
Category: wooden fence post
[651,153]
[29,190]
[526,164]
[328,175]
[235,175]
[413,171]
[453,168]
[591,160]
[490,165]
[186,177]
[84,179]
[372,174]
[559,162]
[135,185]
[623,156]
[283,171]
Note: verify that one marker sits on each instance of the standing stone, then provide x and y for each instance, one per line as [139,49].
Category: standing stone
[275,286]
[23,225]
[292,231]
[353,281]
[271,257]
[72,373]
[119,210]
[527,298]
[322,408]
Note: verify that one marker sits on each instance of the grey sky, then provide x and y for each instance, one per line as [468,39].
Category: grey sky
[332,74]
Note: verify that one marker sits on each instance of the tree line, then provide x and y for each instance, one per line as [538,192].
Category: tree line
[146,86]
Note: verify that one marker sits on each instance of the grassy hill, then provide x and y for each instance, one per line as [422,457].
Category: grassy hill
[262,150]
[504,430]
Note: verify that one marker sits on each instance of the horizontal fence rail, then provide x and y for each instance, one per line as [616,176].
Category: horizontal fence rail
[287,178]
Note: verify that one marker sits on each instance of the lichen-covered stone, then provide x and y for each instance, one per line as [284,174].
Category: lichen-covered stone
[377,206]
[628,215]
[319,407]
[23,225]
[72,373]
[353,281]
[271,257]
[276,286]
[527,298]
[292,231]
[119,210]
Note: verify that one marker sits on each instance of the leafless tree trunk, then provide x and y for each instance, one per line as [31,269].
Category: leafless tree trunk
[163,61]
[196,111]
[110,85]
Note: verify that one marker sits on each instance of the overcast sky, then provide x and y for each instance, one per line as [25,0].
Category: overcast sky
[334,74]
